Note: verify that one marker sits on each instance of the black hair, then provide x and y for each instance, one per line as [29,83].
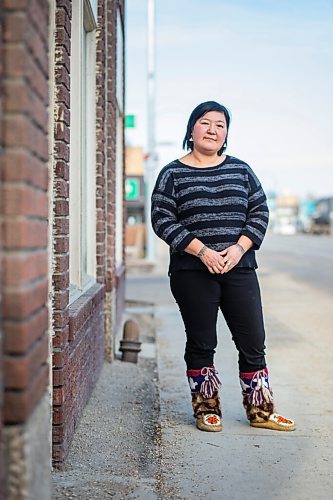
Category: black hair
[197,113]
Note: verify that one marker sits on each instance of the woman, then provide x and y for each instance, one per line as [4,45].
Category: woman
[211,210]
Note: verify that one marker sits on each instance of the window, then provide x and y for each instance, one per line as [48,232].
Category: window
[119,142]
[82,191]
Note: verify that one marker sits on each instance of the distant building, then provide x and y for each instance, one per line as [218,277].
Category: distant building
[286,215]
[134,185]
[62,219]
[322,216]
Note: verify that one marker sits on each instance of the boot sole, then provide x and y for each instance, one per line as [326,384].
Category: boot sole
[273,426]
[209,428]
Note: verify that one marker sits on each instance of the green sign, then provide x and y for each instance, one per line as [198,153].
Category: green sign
[132,189]
[129,121]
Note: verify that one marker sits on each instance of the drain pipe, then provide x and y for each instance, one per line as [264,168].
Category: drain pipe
[130,345]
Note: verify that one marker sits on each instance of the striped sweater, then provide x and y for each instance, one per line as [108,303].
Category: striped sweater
[214,204]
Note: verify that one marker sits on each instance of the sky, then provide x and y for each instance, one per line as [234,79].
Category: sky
[268,61]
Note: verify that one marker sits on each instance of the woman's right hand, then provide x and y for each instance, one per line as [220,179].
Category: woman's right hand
[213,260]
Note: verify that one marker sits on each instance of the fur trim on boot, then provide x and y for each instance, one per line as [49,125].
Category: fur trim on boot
[207,412]
[204,385]
[258,402]
[259,413]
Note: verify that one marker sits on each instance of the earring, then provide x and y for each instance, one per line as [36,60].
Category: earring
[190,139]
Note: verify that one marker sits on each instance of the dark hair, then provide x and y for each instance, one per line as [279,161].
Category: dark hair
[197,113]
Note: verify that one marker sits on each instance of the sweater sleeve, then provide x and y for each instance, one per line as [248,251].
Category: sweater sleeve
[164,213]
[257,214]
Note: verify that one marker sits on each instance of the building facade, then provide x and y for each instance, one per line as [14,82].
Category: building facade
[61,224]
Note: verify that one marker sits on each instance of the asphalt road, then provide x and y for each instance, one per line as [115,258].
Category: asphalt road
[305,258]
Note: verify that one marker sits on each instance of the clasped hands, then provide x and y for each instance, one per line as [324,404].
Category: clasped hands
[224,261]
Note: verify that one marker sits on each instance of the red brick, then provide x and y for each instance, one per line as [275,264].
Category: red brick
[61,151]
[83,308]
[18,405]
[60,337]
[58,379]
[61,132]
[15,60]
[18,131]
[62,170]
[61,318]
[61,281]
[62,38]
[59,453]
[60,358]
[39,16]
[61,113]
[23,200]
[20,335]
[19,269]
[19,371]
[62,57]
[61,188]
[19,234]
[21,165]
[61,207]
[61,244]
[60,299]
[20,98]
[21,302]
[100,260]
[14,4]
[62,95]
[58,395]
[58,432]
[58,413]
[61,263]
[38,80]
[16,94]
[66,4]
[63,20]
[61,226]
[37,48]
[62,76]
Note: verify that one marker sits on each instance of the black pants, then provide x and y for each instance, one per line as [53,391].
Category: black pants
[200,295]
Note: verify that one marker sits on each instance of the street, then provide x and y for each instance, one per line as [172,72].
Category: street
[304,257]
[296,276]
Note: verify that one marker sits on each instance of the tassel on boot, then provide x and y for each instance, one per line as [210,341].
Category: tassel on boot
[258,402]
[204,385]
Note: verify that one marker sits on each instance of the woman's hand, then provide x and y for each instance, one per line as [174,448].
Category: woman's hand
[231,255]
[214,261]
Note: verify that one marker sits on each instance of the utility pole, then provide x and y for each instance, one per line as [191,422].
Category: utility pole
[150,165]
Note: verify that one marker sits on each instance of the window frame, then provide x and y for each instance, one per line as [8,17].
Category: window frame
[82,184]
[119,243]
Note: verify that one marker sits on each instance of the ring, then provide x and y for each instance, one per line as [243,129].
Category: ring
[228,263]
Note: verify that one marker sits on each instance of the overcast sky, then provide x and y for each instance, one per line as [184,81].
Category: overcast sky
[268,61]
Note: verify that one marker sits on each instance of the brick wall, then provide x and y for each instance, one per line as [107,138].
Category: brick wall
[24,207]
[60,229]
[23,215]
[79,329]
[101,71]
[115,277]
[2,451]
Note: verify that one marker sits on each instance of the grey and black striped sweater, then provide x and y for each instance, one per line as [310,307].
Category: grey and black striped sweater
[214,204]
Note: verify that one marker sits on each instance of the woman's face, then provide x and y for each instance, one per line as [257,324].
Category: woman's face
[209,132]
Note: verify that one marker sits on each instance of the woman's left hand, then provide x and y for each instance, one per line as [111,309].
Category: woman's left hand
[232,255]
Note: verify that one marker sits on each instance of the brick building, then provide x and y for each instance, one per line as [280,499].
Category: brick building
[61,224]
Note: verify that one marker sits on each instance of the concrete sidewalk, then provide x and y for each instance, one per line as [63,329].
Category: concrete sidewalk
[243,462]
